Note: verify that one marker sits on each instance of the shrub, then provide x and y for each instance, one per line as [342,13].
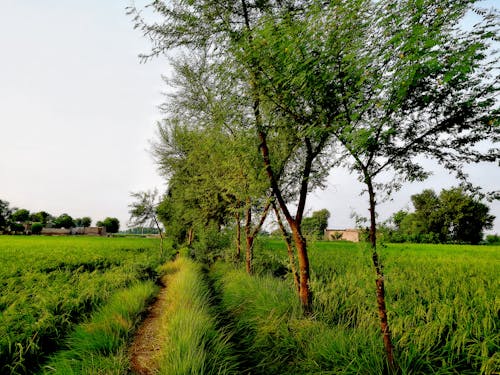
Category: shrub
[36,228]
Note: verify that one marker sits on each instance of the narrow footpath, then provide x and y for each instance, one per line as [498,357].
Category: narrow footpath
[147,343]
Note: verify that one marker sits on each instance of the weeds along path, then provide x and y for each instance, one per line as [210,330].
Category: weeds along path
[181,334]
[147,343]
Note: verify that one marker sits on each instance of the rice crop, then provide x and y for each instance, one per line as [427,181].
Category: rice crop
[50,283]
[99,345]
[443,302]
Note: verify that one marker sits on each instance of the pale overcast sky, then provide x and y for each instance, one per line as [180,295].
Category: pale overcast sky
[77,111]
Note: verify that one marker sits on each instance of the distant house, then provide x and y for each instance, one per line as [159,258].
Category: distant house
[55,231]
[342,234]
[89,231]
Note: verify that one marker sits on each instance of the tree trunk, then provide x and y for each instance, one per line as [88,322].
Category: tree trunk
[288,241]
[382,311]
[305,294]
[190,236]
[238,237]
[161,236]
[248,239]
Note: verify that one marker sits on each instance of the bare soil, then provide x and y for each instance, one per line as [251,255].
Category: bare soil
[147,344]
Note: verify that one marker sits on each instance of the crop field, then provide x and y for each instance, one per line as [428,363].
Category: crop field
[71,305]
[443,303]
[48,284]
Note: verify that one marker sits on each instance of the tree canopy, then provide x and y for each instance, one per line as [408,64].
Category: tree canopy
[452,216]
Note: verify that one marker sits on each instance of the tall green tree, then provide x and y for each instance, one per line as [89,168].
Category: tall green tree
[64,221]
[390,80]
[21,215]
[112,224]
[453,216]
[143,211]
[5,213]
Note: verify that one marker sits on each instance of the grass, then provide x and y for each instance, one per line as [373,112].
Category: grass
[192,344]
[99,346]
[48,284]
[275,338]
[442,300]
[76,301]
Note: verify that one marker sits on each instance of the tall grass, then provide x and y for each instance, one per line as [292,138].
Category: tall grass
[443,303]
[192,343]
[99,346]
[50,283]
[275,338]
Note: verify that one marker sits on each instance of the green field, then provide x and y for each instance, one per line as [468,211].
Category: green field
[443,301]
[50,283]
[70,305]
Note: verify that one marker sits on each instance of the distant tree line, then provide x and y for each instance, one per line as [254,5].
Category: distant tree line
[453,216]
[15,220]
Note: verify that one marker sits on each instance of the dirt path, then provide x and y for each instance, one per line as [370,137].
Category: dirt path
[146,344]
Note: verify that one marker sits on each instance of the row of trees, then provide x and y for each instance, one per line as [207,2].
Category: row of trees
[17,220]
[452,216]
[272,94]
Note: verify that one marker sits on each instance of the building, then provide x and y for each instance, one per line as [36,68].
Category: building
[342,235]
[89,231]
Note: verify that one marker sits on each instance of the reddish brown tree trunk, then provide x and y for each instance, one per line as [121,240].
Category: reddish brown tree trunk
[305,294]
[382,310]
[288,241]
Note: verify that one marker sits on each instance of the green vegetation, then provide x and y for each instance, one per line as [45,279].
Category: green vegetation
[453,216]
[51,283]
[191,343]
[99,346]
[289,89]
[442,301]
[70,306]
[315,225]
[112,224]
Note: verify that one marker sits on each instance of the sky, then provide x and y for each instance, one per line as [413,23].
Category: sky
[78,112]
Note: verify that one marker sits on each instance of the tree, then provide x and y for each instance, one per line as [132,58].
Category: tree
[395,79]
[83,222]
[36,228]
[144,212]
[64,221]
[20,216]
[453,216]
[40,217]
[5,214]
[316,224]
[112,224]
[226,29]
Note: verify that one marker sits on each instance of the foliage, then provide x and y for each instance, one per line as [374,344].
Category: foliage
[112,224]
[453,216]
[143,210]
[36,228]
[5,213]
[50,283]
[99,345]
[41,217]
[83,222]
[64,221]
[192,343]
[493,239]
[20,215]
[316,224]
[210,243]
